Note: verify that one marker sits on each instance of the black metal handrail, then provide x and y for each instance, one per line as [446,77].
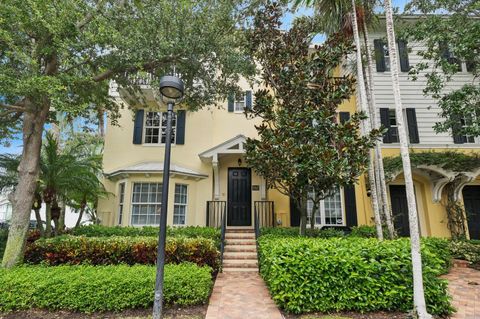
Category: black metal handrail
[215,212]
[222,237]
[217,217]
[265,213]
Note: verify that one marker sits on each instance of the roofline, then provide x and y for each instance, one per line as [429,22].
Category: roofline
[131,171]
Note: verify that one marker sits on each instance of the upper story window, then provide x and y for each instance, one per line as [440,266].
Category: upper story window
[156,127]
[465,122]
[389,120]
[238,102]
[449,55]
[382,55]
[329,212]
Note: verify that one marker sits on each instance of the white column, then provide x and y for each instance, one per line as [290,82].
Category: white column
[216,178]
[263,189]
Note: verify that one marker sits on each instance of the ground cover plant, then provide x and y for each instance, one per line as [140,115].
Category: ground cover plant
[351,274]
[120,250]
[100,288]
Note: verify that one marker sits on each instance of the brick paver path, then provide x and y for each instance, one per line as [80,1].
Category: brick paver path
[464,286]
[241,295]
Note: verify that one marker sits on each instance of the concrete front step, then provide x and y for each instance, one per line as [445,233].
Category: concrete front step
[240,230]
[235,269]
[238,248]
[240,236]
[239,255]
[246,263]
[240,242]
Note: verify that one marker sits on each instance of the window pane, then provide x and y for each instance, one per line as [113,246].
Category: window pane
[146,204]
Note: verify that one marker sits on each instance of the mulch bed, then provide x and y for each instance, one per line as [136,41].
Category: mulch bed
[173,313]
[353,315]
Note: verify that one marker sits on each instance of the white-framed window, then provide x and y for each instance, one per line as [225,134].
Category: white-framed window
[466,122]
[329,212]
[156,127]
[121,200]
[393,130]
[146,203]
[180,204]
[386,55]
[239,102]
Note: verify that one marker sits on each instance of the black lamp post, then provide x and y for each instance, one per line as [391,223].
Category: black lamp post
[171,89]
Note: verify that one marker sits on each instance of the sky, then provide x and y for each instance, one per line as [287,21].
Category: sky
[16,144]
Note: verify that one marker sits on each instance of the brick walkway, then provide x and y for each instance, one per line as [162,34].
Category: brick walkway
[464,286]
[241,295]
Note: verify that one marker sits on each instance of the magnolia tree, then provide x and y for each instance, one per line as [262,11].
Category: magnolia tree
[60,55]
[303,150]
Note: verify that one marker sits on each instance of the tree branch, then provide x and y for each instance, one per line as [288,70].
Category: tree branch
[89,17]
[13,108]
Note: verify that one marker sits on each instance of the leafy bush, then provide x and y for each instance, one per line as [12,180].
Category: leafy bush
[349,274]
[466,250]
[100,288]
[106,231]
[74,250]
[295,232]
[364,231]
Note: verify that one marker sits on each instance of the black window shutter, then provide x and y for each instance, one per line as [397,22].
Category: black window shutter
[403,53]
[138,127]
[470,66]
[412,126]
[350,206]
[386,123]
[181,115]
[344,117]
[379,55]
[231,101]
[294,214]
[248,99]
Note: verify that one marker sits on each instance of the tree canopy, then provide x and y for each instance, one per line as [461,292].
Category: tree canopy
[452,46]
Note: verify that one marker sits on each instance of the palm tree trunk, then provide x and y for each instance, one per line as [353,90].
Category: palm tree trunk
[28,170]
[80,216]
[379,169]
[418,292]
[61,219]
[39,221]
[366,123]
[48,220]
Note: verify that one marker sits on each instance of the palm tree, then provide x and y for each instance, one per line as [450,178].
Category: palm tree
[64,173]
[418,291]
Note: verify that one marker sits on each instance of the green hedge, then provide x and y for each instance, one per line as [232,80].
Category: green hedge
[468,250]
[106,231]
[100,288]
[295,232]
[117,250]
[350,274]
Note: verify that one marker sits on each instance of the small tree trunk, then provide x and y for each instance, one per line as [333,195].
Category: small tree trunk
[379,169]
[303,217]
[61,219]
[39,222]
[28,170]
[48,220]
[101,122]
[420,307]
[80,216]
[366,123]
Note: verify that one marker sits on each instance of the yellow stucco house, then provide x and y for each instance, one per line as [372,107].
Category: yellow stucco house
[209,174]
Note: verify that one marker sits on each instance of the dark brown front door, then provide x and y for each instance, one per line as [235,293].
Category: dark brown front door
[239,197]
[398,197]
[471,200]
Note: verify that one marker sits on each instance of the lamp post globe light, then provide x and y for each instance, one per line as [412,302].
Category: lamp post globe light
[171,89]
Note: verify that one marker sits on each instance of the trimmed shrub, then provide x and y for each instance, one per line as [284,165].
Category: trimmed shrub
[349,274]
[75,250]
[295,232]
[100,288]
[466,250]
[364,231]
[147,231]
